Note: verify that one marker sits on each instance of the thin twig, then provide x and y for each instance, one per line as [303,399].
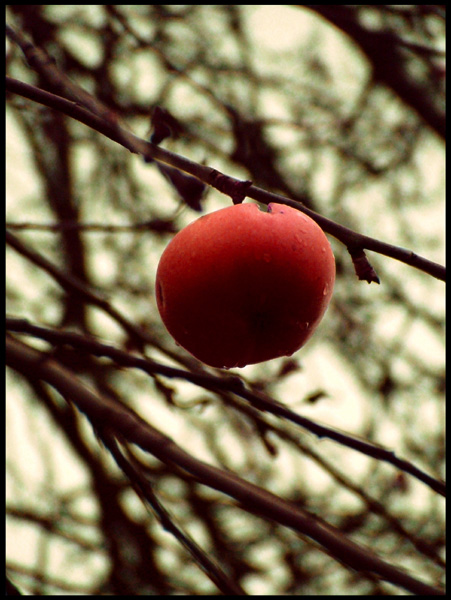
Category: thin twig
[144,490]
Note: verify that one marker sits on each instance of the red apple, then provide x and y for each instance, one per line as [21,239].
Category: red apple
[240,286]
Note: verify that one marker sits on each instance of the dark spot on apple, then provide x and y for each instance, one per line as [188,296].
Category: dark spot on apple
[160,296]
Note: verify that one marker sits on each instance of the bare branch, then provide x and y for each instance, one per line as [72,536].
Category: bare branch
[232,384]
[113,131]
[105,413]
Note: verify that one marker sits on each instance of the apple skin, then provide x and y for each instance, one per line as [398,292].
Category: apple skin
[240,286]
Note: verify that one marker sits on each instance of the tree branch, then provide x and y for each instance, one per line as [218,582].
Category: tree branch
[235,188]
[231,384]
[103,412]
